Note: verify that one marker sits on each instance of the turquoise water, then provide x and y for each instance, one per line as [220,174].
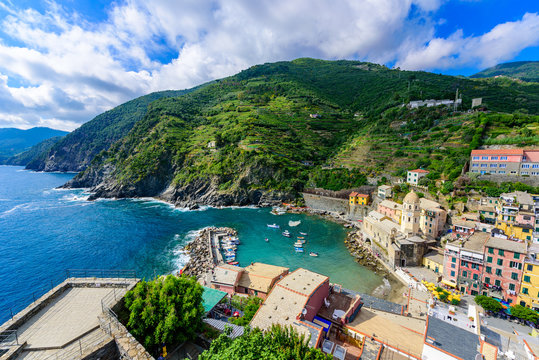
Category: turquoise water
[44,231]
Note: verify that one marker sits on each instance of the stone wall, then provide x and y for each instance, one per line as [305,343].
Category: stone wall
[325,203]
[127,346]
[528,180]
[108,351]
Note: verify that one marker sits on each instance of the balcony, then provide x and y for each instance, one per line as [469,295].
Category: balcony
[472,259]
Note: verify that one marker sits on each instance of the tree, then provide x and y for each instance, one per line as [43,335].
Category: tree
[524,313]
[253,303]
[166,310]
[488,303]
[282,343]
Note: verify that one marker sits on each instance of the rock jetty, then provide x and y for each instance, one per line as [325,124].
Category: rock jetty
[201,258]
[362,254]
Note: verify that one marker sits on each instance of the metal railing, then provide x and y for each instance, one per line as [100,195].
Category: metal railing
[77,349]
[100,273]
[9,338]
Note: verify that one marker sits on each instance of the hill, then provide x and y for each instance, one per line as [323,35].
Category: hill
[522,70]
[266,133]
[35,153]
[14,141]
[78,148]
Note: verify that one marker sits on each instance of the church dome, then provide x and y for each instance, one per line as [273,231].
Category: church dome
[411,197]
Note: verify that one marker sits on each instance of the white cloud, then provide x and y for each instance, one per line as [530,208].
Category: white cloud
[67,70]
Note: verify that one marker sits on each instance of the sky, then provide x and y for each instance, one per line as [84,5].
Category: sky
[64,62]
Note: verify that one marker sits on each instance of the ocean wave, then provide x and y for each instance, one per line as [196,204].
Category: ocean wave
[75,197]
[15,208]
[180,259]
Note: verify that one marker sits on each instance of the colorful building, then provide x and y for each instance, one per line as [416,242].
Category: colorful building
[415,175]
[258,279]
[514,162]
[504,261]
[385,191]
[391,209]
[359,199]
[516,215]
[434,261]
[529,287]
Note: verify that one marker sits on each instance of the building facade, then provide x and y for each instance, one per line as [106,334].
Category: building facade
[515,162]
[385,191]
[415,175]
[529,288]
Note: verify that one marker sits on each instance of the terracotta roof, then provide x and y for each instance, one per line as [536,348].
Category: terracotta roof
[498,152]
[259,276]
[419,171]
[506,244]
[226,274]
[362,195]
[354,194]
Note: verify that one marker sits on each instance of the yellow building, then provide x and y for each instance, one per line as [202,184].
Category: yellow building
[529,287]
[518,231]
[359,199]
[434,261]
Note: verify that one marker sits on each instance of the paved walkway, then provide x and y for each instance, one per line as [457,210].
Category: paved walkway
[422,273]
[68,316]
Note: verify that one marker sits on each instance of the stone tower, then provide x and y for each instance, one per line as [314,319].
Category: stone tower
[411,214]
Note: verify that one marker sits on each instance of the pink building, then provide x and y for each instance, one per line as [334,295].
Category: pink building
[226,278]
[504,260]
[525,219]
[390,209]
[505,162]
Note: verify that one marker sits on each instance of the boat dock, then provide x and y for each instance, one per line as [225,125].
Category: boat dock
[214,237]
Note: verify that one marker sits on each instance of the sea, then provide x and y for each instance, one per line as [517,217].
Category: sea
[45,230]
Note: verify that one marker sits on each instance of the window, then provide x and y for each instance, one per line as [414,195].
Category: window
[464,274]
[530,267]
[475,165]
[512,287]
[488,269]
[453,260]
[515,265]
[463,263]
[493,158]
[501,172]
[493,165]
[452,273]
[524,172]
[500,262]
[491,250]
[517,255]
[535,166]
[487,280]
[497,282]
[503,157]
[525,290]
[475,276]
[489,259]
[501,252]
[503,165]
[484,158]
[514,276]
[475,158]
[526,279]
[498,272]
[525,166]
[484,165]
[452,266]
[524,158]
[474,266]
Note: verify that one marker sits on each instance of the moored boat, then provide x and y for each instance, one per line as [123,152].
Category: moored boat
[266,239]
[312,253]
[273,226]
[298,249]
[298,244]
[232,263]
[286,233]
[303,233]
[301,237]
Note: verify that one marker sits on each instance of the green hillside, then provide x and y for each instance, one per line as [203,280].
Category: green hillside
[278,127]
[522,70]
[35,153]
[14,141]
[75,151]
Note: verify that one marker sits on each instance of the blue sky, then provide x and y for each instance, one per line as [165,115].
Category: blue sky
[63,62]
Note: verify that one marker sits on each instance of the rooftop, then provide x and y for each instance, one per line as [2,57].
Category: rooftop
[390,204]
[302,281]
[435,256]
[259,276]
[498,152]
[419,171]
[452,339]
[428,204]
[384,187]
[211,297]
[227,274]
[464,223]
[476,241]
[506,244]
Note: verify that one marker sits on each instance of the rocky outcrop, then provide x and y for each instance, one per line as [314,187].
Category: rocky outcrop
[362,255]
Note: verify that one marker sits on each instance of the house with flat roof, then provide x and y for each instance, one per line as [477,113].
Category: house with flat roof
[515,162]
[226,277]
[385,191]
[295,301]
[257,279]
[444,341]
[415,175]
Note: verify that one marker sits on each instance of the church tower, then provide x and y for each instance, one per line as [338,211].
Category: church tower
[411,214]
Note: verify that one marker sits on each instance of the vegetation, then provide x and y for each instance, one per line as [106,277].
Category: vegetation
[166,310]
[250,309]
[277,343]
[285,126]
[523,70]
[78,148]
[524,313]
[15,141]
[488,303]
[38,151]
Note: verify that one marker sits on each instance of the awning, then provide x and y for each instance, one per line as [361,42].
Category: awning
[449,283]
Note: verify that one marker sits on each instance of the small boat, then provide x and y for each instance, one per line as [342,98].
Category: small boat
[302,233]
[300,241]
[298,249]
[232,263]
[273,226]
[278,211]
[266,239]
[294,223]
[286,233]
[301,237]
[312,253]
[298,244]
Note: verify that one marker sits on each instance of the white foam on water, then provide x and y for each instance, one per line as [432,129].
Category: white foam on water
[15,208]
[75,197]
[180,257]
[382,290]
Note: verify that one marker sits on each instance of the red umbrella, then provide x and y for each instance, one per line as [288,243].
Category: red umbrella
[236,314]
